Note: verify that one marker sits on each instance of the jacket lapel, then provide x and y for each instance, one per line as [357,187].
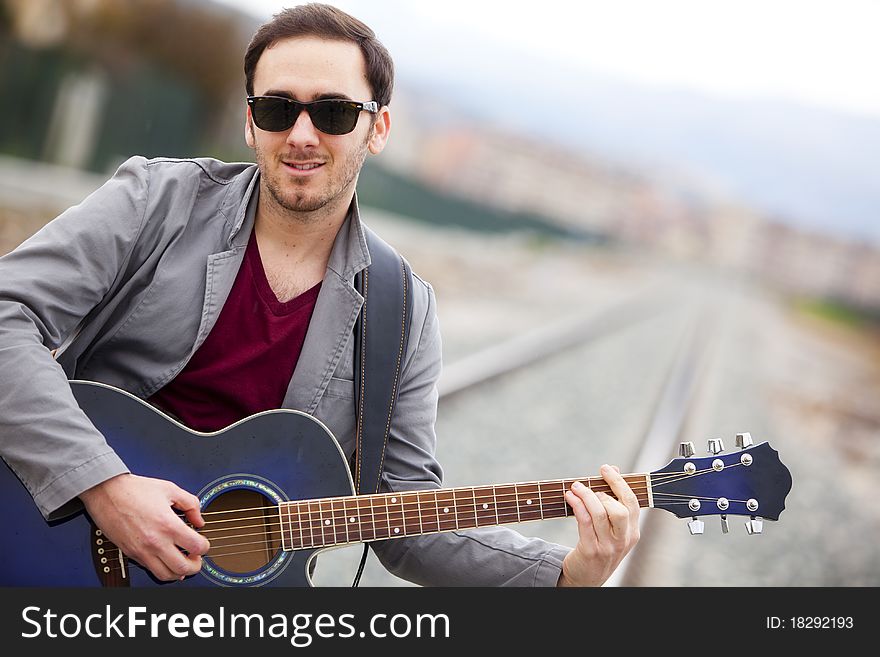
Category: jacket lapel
[222,268]
[334,317]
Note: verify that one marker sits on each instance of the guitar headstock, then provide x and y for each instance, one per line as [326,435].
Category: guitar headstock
[750,482]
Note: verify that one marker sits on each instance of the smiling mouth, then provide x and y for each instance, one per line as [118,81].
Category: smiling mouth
[303,167]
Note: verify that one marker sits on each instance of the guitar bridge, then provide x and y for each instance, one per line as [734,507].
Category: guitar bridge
[110,564]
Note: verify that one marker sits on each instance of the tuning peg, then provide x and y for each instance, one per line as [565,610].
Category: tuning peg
[755,525]
[725,527]
[695,526]
[686,449]
[716,445]
[744,440]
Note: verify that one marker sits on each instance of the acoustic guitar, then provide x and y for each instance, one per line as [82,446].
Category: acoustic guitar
[275,490]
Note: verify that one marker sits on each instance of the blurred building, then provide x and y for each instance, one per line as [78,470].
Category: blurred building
[87,83]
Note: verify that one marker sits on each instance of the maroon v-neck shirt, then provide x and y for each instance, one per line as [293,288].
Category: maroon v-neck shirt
[246,362]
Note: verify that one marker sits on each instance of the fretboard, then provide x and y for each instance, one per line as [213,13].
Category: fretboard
[340,520]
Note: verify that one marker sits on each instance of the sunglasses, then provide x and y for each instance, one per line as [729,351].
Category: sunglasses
[332,116]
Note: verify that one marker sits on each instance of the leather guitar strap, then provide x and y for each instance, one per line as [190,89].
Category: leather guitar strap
[381,335]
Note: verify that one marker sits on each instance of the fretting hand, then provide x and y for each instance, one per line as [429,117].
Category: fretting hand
[608,529]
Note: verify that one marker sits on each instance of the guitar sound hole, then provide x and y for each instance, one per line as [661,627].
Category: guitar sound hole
[244,529]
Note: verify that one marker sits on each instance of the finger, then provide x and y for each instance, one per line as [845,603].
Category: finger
[586,530]
[596,509]
[621,489]
[185,537]
[180,564]
[188,503]
[618,516]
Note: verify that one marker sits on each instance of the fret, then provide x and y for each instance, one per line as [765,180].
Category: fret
[286,542]
[485,507]
[528,504]
[372,518]
[340,527]
[286,528]
[465,511]
[430,511]
[640,486]
[364,518]
[381,520]
[321,521]
[560,506]
[412,525]
[299,523]
[540,500]
[346,512]
[506,508]
[313,527]
[551,504]
[447,516]
[327,525]
[395,516]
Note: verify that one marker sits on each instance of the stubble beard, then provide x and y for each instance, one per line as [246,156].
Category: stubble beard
[300,203]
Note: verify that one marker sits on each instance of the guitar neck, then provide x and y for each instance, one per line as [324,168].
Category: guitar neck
[341,520]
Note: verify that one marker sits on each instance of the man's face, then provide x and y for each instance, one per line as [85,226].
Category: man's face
[302,168]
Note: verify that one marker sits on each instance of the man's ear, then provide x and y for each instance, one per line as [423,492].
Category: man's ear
[249,137]
[381,130]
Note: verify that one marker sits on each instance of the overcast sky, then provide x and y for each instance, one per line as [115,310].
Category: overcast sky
[815,51]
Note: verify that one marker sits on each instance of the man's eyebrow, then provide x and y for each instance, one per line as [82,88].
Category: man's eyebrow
[324,96]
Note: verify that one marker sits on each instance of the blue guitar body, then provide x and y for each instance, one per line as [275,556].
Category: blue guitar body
[274,456]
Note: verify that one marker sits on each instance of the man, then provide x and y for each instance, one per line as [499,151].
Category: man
[168,279]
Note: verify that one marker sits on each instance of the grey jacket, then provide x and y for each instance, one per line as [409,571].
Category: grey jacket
[115,284]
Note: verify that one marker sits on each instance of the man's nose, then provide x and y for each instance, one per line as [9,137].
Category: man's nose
[303,133]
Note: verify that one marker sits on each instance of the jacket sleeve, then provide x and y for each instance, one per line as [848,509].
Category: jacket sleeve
[48,286]
[490,556]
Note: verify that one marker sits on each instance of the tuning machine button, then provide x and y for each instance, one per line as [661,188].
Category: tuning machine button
[744,440]
[716,445]
[725,526]
[755,525]
[686,449]
[696,526]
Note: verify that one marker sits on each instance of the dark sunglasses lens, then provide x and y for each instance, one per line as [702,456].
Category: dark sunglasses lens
[273,114]
[334,117]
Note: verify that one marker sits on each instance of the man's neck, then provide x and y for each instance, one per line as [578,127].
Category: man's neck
[300,236]
[295,247]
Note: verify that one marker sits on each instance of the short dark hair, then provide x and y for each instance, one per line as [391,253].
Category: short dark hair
[327,22]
